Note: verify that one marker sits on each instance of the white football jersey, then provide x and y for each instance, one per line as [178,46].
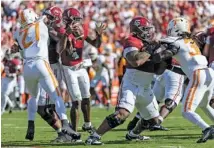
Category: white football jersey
[33,40]
[98,65]
[109,60]
[189,55]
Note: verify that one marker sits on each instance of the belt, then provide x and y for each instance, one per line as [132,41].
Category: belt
[75,67]
[177,69]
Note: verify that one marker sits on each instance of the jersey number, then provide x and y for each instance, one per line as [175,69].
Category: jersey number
[193,46]
[28,44]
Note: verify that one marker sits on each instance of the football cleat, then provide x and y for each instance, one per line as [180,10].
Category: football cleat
[93,140]
[67,130]
[90,129]
[136,137]
[62,138]
[30,133]
[158,128]
[207,134]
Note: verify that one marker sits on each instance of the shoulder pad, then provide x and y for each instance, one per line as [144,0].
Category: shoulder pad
[133,42]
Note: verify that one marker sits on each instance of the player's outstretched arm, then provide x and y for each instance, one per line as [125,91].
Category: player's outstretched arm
[168,52]
[137,58]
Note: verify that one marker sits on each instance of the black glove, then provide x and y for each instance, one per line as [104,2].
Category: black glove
[151,47]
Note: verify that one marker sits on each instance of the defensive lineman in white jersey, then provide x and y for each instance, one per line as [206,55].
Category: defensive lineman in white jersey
[180,45]
[32,38]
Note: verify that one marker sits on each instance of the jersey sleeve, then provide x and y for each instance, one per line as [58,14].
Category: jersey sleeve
[101,59]
[129,49]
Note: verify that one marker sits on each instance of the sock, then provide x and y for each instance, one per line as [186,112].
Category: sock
[160,118]
[195,119]
[87,124]
[209,111]
[60,107]
[96,135]
[65,122]
[30,123]
[59,130]
[32,109]
[138,115]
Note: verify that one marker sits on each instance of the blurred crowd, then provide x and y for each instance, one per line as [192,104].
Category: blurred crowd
[116,14]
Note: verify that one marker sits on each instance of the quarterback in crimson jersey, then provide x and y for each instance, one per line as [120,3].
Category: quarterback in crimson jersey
[71,54]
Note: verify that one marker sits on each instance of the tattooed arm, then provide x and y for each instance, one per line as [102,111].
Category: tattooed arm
[136,58]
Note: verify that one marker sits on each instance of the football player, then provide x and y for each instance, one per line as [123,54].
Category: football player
[180,45]
[209,51]
[76,76]
[46,107]
[135,89]
[110,60]
[102,74]
[9,82]
[32,41]
[168,88]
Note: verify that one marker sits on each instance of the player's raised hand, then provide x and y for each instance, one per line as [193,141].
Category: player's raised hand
[100,28]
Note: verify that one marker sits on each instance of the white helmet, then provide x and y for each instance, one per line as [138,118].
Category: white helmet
[27,16]
[93,53]
[178,26]
[108,48]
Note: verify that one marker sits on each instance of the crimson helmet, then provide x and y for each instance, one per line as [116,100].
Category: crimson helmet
[200,39]
[54,14]
[142,28]
[72,15]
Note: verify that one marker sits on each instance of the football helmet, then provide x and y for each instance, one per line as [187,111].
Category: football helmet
[210,28]
[108,48]
[27,16]
[93,53]
[178,26]
[142,28]
[54,14]
[72,15]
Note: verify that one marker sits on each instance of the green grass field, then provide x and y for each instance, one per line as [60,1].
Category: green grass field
[182,133]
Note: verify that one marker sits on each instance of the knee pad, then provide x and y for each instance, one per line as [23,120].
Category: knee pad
[47,113]
[211,103]
[85,101]
[114,121]
[170,104]
[75,104]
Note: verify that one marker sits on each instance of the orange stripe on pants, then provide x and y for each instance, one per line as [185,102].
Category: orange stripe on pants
[196,86]
[55,82]
[190,90]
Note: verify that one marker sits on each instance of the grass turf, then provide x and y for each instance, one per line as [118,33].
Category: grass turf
[182,133]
